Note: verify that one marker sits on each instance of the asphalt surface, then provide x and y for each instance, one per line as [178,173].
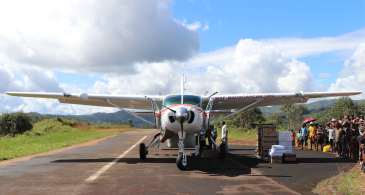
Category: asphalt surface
[114,167]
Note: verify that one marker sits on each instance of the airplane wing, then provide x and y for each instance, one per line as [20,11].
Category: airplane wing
[240,101]
[123,101]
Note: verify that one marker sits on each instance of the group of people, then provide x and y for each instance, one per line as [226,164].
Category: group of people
[212,131]
[346,137]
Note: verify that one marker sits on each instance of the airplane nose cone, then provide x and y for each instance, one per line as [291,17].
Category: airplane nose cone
[181,114]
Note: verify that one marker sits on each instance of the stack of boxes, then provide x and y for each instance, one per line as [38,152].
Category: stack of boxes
[274,146]
[266,137]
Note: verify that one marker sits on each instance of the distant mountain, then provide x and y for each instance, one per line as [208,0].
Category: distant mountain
[100,118]
[313,107]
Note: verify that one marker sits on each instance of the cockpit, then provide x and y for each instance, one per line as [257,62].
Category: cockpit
[187,99]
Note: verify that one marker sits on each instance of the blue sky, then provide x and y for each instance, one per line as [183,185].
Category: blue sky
[139,47]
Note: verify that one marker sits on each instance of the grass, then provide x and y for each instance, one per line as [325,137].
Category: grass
[51,134]
[237,136]
[348,183]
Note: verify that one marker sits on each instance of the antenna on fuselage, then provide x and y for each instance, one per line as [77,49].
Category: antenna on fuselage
[183,80]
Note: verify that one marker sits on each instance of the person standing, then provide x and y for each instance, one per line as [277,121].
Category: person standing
[319,137]
[292,139]
[331,136]
[225,136]
[214,135]
[304,134]
[338,138]
[340,120]
[312,132]
[362,119]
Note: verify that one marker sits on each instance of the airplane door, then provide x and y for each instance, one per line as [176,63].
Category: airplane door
[208,113]
[156,114]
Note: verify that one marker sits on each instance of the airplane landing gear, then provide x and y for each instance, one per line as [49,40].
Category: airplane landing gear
[142,151]
[182,161]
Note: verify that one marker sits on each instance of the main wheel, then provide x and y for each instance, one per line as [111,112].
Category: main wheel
[142,151]
[181,162]
[222,151]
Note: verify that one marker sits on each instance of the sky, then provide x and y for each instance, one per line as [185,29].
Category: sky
[138,47]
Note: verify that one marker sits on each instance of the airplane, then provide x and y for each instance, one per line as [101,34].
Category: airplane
[182,118]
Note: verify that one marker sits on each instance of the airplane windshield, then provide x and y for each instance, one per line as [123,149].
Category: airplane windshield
[176,99]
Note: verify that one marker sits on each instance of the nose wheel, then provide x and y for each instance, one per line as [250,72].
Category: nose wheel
[182,161]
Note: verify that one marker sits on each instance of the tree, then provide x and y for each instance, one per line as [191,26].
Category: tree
[289,113]
[246,117]
[343,106]
[276,118]
[300,111]
[15,123]
[129,122]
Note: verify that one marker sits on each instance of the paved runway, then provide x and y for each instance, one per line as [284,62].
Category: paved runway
[94,168]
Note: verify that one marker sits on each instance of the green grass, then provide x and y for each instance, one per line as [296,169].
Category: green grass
[51,134]
[240,134]
[350,182]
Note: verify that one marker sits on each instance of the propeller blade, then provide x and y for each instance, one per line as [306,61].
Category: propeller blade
[160,104]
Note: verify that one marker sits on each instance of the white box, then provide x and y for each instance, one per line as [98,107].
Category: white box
[278,147]
[275,154]
[287,145]
[276,151]
[284,136]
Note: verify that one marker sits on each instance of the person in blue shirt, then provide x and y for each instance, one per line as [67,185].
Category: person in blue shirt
[304,134]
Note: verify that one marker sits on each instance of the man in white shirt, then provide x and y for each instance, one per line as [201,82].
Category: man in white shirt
[331,136]
[225,136]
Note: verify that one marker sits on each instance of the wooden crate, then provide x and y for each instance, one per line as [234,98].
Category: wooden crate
[269,139]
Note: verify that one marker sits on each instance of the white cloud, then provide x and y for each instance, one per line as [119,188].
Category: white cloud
[324,74]
[206,27]
[93,36]
[349,82]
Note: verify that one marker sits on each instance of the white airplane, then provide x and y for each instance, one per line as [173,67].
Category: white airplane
[182,118]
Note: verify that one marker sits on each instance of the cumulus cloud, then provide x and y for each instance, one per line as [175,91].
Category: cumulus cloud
[93,36]
[348,82]
[324,74]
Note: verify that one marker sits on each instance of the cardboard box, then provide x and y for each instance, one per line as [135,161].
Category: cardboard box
[287,145]
[289,155]
[276,159]
[290,159]
[284,136]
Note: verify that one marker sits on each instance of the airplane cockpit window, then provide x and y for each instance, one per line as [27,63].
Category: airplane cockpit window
[176,99]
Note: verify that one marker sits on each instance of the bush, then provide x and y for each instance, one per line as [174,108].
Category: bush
[15,123]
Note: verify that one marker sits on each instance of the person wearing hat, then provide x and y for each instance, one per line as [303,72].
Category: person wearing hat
[357,120]
[312,132]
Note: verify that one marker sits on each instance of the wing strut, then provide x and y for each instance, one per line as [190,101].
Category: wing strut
[107,100]
[257,101]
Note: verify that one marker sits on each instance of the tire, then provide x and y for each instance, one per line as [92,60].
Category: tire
[222,151]
[142,151]
[180,164]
